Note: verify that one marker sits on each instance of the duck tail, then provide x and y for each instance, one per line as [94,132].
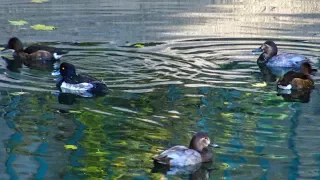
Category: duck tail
[57,56]
[99,89]
[164,160]
[314,71]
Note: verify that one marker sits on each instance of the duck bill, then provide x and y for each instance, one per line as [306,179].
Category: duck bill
[214,145]
[258,50]
[56,73]
[5,48]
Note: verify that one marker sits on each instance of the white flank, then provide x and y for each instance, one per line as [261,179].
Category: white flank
[79,89]
[285,87]
[57,56]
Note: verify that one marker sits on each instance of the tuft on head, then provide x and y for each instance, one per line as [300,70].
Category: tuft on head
[306,68]
[67,69]
[199,141]
[15,43]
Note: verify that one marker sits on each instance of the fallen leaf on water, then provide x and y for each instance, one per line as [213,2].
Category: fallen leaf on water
[39,1]
[42,27]
[139,45]
[18,93]
[264,84]
[18,23]
[227,115]
[75,112]
[1,48]
[73,147]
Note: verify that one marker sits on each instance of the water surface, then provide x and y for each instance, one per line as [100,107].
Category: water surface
[195,72]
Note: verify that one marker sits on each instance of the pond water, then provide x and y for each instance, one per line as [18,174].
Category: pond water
[192,70]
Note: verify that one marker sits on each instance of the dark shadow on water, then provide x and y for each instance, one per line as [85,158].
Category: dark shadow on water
[302,96]
[195,172]
[15,64]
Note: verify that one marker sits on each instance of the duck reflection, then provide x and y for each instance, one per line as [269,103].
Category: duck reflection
[71,98]
[199,171]
[12,65]
[15,65]
[66,98]
[266,73]
[301,95]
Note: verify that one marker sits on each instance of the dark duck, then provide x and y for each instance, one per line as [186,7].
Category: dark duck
[81,84]
[297,80]
[34,54]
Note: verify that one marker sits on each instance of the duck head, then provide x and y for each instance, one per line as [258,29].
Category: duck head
[306,68]
[268,50]
[15,44]
[200,141]
[67,70]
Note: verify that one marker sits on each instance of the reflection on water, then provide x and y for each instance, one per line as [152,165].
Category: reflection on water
[195,72]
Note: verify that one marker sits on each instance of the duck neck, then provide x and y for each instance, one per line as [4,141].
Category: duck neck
[195,146]
[23,56]
[206,155]
[262,59]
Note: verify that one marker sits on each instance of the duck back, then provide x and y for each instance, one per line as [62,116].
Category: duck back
[179,156]
[34,48]
[287,60]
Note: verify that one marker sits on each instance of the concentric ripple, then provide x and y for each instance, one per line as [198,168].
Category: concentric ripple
[160,95]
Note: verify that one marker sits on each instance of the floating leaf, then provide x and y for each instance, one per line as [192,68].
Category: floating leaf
[42,27]
[18,93]
[227,115]
[139,45]
[39,1]
[73,147]
[18,23]
[1,48]
[75,112]
[264,84]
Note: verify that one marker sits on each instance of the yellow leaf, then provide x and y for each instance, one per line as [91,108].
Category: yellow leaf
[139,45]
[75,112]
[227,115]
[18,93]
[73,147]
[42,27]
[18,23]
[1,48]
[39,1]
[264,84]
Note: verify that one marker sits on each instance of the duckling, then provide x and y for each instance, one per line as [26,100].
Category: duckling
[81,84]
[197,152]
[297,80]
[33,53]
[271,58]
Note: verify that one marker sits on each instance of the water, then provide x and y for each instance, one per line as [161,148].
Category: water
[195,73]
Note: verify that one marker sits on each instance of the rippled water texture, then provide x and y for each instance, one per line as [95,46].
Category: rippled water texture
[192,70]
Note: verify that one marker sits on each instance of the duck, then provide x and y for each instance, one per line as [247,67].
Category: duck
[81,84]
[297,80]
[33,52]
[271,58]
[180,156]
